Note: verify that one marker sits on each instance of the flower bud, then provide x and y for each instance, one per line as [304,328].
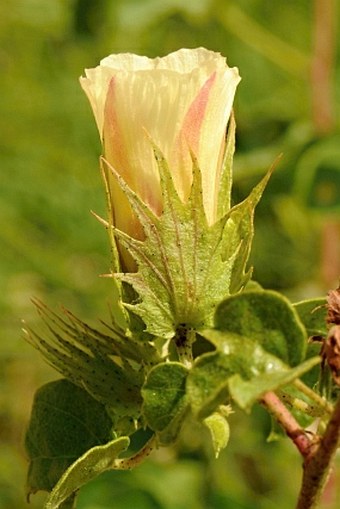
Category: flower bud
[183,103]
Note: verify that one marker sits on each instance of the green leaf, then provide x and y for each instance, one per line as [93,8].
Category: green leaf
[276,431]
[258,335]
[267,318]
[185,266]
[219,430]
[65,422]
[207,384]
[313,313]
[246,392]
[165,401]
[239,362]
[208,380]
[94,462]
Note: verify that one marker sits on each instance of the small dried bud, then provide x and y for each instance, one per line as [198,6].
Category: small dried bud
[331,352]
[333,305]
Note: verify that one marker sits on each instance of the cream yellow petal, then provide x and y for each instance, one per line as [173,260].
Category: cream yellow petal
[212,137]
[203,131]
[184,61]
[154,101]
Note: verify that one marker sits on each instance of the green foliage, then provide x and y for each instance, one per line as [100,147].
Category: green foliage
[239,234]
[312,313]
[269,319]
[219,429]
[165,400]
[207,384]
[245,393]
[258,337]
[65,422]
[180,253]
[94,462]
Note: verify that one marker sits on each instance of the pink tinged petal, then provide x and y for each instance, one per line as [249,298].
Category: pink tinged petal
[213,132]
[194,118]
[116,154]
[203,131]
[189,138]
[126,144]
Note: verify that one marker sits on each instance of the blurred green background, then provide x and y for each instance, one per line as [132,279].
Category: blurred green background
[52,248]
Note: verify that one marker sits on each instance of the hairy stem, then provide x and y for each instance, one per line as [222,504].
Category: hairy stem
[292,428]
[301,405]
[317,467]
[184,339]
[319,400]
[136,459]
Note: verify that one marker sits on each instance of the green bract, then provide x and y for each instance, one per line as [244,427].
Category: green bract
[185,267]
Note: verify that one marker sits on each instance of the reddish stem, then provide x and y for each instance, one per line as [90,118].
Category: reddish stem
[292,428]
[317,469]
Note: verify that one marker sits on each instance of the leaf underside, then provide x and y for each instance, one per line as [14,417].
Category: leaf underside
[94,462]
[65,422]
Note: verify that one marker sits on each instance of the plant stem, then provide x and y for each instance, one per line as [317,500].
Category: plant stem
[136,459]
[184,339]
[301,405]
[288,422]
[319,400]
[317,467]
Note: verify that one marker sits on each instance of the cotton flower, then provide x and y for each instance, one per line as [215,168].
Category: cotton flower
[183,102]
